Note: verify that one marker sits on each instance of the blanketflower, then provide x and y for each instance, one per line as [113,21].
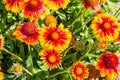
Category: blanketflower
[105,27]
[53,37]
[14,5]
[17,69]
[1,42]
[56,4]
[51,58]
[50,20]
[27,32]
[79,71]
[109,64]
[35,9]
[103,44]
[1,75]
[91,3]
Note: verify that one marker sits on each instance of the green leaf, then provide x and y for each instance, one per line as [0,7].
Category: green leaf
[29,61]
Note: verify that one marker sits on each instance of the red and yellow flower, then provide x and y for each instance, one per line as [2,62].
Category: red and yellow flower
[105,27]
[14,5]
[27,32]
[1,42]
[109,64]
[35,9]
[79,71]
[91,3]
[53,37]
[56,4]
[51,58]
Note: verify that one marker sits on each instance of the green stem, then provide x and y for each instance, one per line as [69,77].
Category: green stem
[86,53]
[12,54]
[27,71]
[83,25]
[67,51]
[58,73]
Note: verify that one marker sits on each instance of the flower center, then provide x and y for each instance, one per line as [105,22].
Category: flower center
[79,70]
[34,2]
[17,69]
[52,59]
[55,35]
[106,25]
[29,28]
[111,61]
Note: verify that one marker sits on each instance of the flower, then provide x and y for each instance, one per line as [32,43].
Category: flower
[79,71]
[1,42]
[14,5]
[91,3]
[93,73]
[53,37]
[35,9]
[17,69]
[105,27]
[109,64]
[50,20]
[27,32]
[51,58]
[103,45]
[56,4]
[1,75]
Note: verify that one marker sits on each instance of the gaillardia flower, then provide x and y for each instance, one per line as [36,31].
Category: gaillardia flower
[14,5]
[105,27]
[50,20]
[79,71]
[53,37]
[1,42]
[35,9]
[56,4]
[27,32]
[91,3]
[1,75]
[108,64]
[51,58]
[103,44]
[17,69]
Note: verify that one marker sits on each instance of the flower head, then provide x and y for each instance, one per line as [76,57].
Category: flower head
[17,69]
[103,44]
[1,42]
[50,20]
[108,64]
[56,4]
[91,3]
[53,37]
[27,32]
[93,73]
[14,5]
[35,9]
[79,71]
[51,58]
[105,27]
[1,75]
